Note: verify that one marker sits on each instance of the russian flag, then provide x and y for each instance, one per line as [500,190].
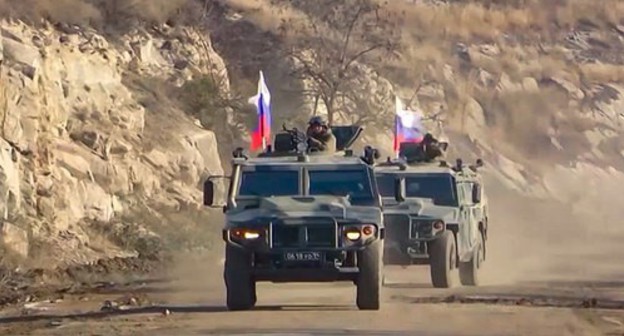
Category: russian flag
[261,135]
[408,126]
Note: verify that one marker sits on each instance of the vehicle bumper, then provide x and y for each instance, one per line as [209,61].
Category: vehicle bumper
[413,251]
[334,265]
[306,274]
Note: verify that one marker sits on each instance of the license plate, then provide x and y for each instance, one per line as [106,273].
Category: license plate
[302,256]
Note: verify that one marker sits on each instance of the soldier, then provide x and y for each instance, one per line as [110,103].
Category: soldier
[431,147]
[320,137]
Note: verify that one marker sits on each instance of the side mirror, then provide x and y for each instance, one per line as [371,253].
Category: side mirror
[399,190]
[208,193]
[476,193]
[215,191]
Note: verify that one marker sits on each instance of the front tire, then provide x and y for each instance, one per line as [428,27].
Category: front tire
[469,271]
[442,260]
[240,287]
[370,277]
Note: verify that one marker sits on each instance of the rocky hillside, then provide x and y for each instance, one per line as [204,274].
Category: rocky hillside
[106,132]
[91,148]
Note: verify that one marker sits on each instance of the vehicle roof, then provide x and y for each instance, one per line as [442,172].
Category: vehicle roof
[428,168]
[293,160]
[421,168]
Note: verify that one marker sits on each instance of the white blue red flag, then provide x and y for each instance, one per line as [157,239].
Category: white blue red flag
[261,135]
[408,126]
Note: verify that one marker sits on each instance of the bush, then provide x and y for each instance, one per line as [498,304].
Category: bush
[93,12]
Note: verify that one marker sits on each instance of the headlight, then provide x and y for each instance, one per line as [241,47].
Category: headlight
[438,225]
[359,232]
[251,235]
[353,235]
[245,234]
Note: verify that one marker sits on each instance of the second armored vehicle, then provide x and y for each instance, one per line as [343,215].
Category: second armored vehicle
[435,214]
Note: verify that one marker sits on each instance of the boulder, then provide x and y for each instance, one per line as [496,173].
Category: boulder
[10,193]
[14,238]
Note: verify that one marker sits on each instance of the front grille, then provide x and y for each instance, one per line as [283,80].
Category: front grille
[397,227]
[304,235]
[421,229]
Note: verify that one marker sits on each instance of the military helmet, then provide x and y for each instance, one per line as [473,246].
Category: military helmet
[317,120]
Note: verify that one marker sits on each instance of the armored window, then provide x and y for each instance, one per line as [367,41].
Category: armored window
[438,187]
[353,183]
[269,183]
[385,184]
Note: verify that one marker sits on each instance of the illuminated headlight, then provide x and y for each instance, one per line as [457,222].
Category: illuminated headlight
[247,234]
[360,232]
[353,235]
[251,235]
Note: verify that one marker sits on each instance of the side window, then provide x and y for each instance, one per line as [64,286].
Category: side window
[464,189]
[468,192]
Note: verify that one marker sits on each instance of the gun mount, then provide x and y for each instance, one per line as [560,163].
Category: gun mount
[426,152]
[293,141]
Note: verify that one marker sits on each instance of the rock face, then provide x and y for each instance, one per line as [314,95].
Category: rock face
[73,133]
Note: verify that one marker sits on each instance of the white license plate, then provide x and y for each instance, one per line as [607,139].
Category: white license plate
[302,256]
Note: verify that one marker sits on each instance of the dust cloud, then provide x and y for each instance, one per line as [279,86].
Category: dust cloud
[543,240]
[196,277]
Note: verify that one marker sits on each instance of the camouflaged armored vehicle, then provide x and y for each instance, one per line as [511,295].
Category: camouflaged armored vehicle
[295,216]
[434,214]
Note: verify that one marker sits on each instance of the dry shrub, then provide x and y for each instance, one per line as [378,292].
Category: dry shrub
[69,11]
[602,73]
[598,12]
[463,20]
[94,12]
[488,19]
[523,118]
[147,10]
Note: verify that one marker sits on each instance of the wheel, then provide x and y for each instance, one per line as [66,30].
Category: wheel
[370,276]
[240,287]
[469,271]
[442,260]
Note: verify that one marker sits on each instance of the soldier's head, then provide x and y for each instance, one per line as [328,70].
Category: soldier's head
[317,125]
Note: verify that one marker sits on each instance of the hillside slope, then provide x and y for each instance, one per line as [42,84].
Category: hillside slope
[534,88]
[102,152]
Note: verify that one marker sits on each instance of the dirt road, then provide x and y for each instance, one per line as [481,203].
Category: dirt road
[410,306]
[548,272]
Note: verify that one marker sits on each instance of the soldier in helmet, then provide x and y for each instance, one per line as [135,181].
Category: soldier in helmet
[320,137]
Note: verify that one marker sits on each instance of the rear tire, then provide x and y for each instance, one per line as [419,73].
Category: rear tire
[370,277]
[240,287]
[442,260]
[469,271]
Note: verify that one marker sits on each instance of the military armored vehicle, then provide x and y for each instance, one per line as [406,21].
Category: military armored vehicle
[296,216]
[434,214]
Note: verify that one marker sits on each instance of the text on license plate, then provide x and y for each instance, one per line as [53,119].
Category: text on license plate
[302,256]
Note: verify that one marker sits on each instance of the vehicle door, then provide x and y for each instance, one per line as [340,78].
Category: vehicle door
[468,226]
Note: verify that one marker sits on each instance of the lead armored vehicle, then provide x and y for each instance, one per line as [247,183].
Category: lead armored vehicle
[434,214]
[296,216]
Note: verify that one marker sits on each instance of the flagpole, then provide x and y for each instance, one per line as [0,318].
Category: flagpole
[397,145]
[396,140]
[262,111]
[261,121]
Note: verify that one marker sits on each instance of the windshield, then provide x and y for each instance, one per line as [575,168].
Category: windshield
[385,184]
[438,187]
[354,183]
[269,183]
